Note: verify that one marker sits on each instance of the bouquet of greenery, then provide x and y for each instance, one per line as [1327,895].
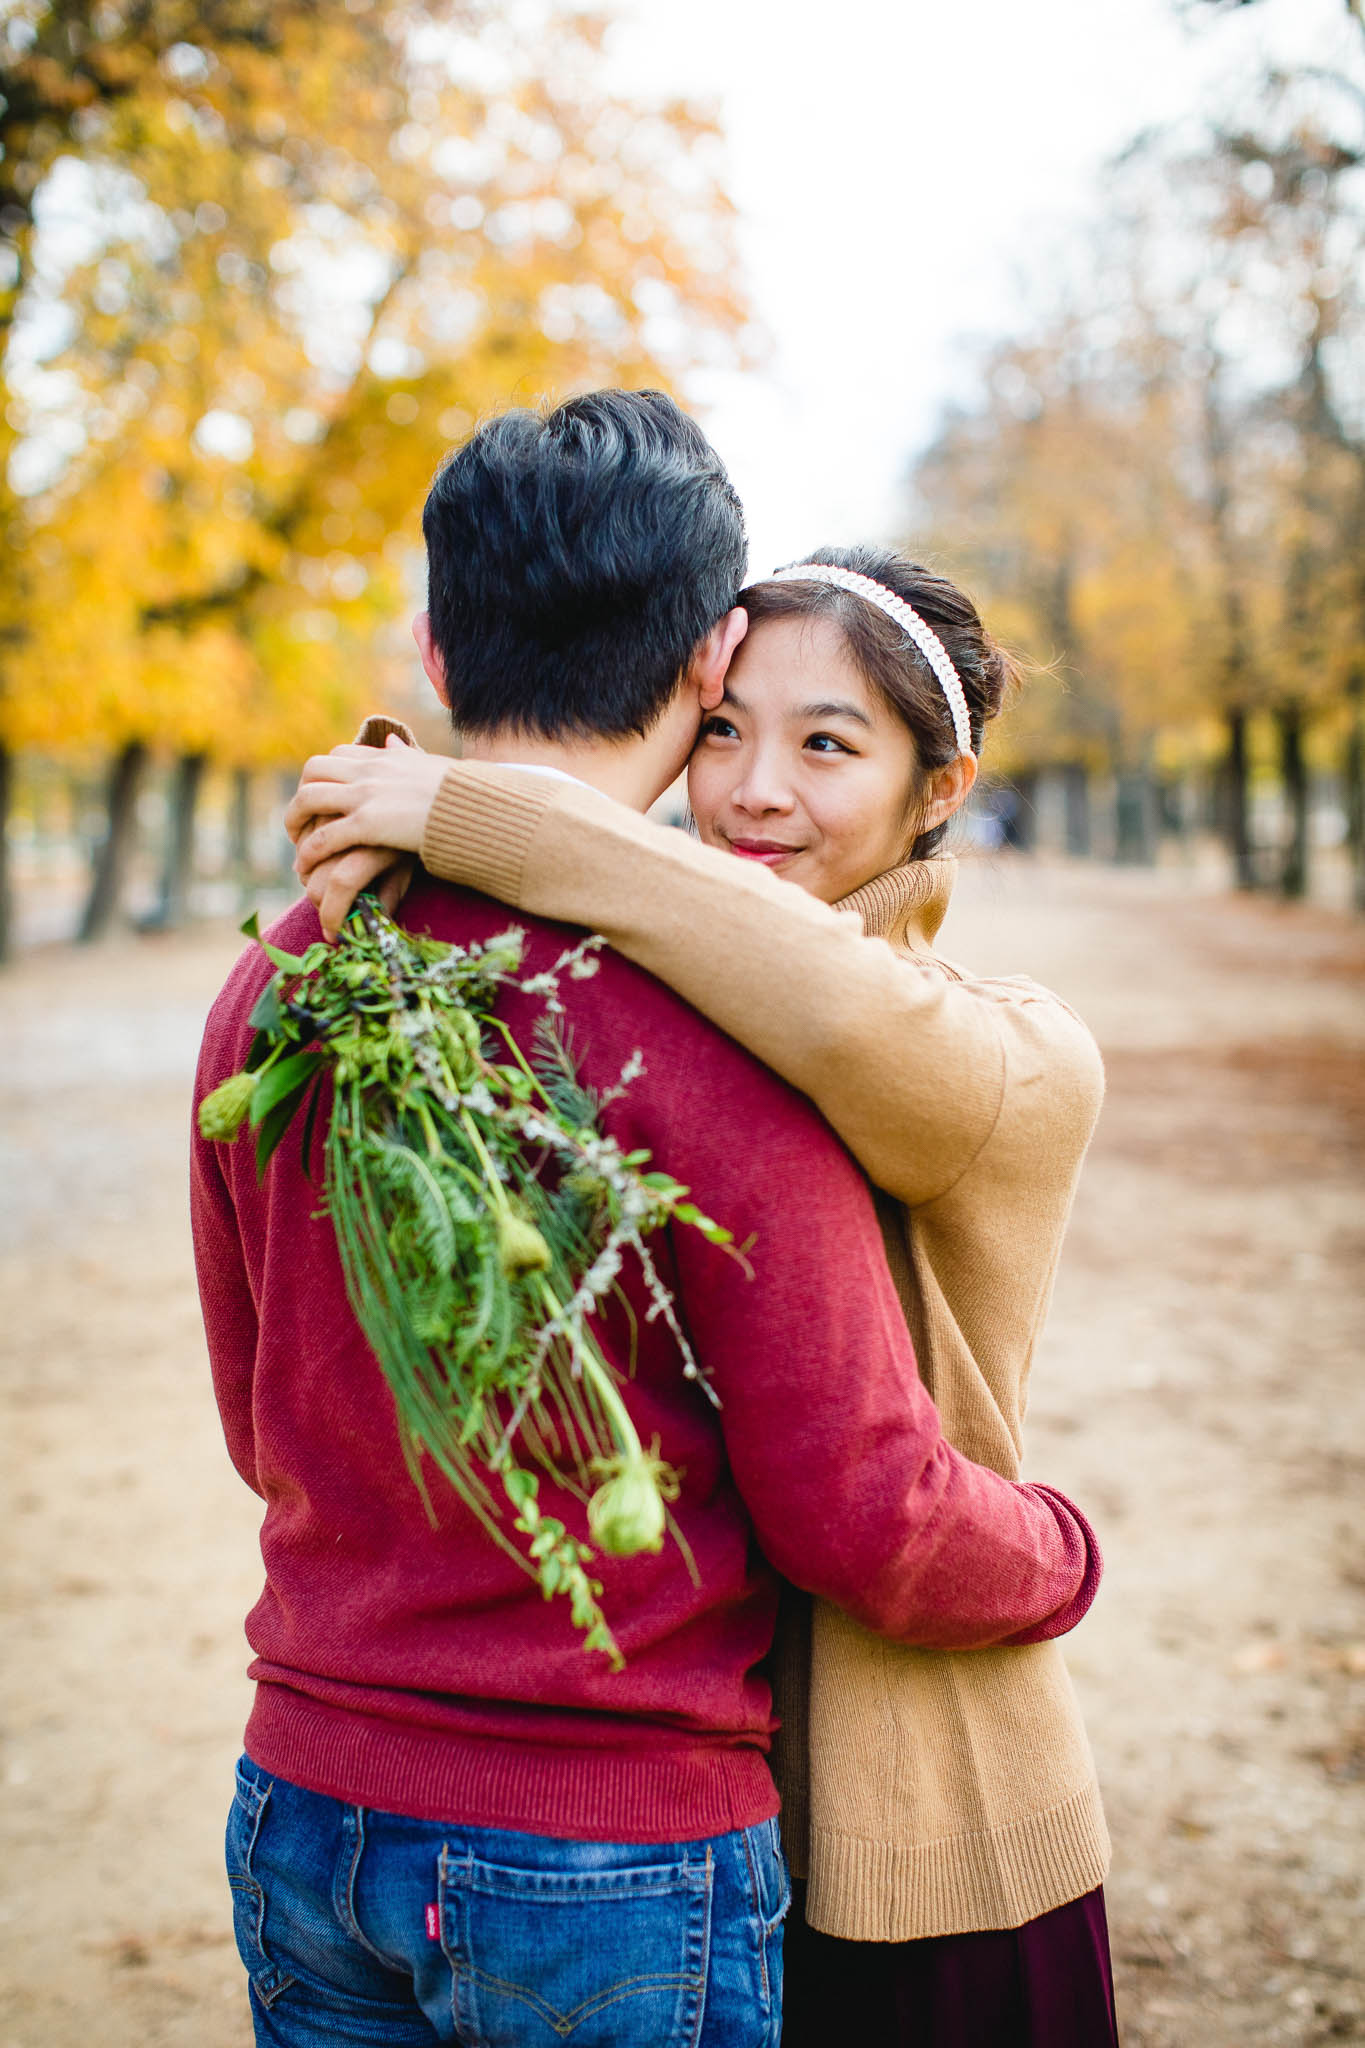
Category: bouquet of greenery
[482,1216]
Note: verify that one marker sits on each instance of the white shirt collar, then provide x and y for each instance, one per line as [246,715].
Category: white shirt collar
[542,768]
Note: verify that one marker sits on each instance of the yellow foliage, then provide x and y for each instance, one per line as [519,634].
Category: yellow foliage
[318,252]
[1162,490]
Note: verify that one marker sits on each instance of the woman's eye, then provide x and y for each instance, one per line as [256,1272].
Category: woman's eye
[825,743]
[717,728]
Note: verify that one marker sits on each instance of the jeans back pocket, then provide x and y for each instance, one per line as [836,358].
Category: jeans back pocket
[588,1957]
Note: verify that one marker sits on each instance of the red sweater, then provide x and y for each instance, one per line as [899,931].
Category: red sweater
[417,1669]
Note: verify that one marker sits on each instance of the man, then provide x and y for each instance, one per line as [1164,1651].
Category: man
[452,1823]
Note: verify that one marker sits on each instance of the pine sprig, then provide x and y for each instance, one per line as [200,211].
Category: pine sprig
[483,1218]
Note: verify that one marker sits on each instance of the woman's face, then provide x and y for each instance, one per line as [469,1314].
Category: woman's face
[805,767]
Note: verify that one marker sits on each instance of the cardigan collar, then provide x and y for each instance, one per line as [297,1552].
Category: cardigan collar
[906,905]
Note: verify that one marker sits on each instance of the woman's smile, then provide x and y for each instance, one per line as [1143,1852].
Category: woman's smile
[772,852]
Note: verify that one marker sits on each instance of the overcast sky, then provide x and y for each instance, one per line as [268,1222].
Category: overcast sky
[897,164]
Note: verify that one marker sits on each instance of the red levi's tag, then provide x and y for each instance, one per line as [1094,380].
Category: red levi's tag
[433,1922]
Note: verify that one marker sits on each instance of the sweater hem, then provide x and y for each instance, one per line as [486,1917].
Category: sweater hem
[976,1883]
[616,1794]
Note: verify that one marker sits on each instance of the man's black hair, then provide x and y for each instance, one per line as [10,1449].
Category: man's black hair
[575,561]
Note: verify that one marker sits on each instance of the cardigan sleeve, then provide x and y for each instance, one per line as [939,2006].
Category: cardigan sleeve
[908,1062]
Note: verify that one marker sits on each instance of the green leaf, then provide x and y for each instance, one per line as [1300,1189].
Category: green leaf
[268,1014]
[600,1637]
[716,1233]
[288,963]
[292,963]
[583,1602]
[310,1119]
[274,1126]
[520,1487]
[278,1081]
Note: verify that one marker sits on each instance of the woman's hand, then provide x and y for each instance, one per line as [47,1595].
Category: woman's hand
[362,796]
[333,885]
[353,814]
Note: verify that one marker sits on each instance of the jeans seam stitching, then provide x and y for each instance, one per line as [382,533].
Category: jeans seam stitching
[759,1922]
[352,1922]
[443,1866]
[260,1799]
[705,1896]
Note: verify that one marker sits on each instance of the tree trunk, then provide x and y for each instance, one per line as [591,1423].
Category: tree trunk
[1019,813]
[177,868]
[1135,815]
[1294,776]
[1076,809]
[239,827]
[1353,777]
[111,862]
[1236,804]
[6,897]
[289,778]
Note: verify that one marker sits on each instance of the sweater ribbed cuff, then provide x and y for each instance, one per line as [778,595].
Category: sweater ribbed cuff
[479,830]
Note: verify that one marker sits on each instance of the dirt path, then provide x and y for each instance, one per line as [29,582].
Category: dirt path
[1200,1391]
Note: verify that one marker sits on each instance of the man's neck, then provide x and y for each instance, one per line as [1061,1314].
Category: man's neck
[632,771]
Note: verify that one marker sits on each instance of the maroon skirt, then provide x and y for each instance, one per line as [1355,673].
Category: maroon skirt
[1047,1984]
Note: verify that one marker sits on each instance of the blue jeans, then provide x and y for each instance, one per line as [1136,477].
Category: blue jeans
[363,1927]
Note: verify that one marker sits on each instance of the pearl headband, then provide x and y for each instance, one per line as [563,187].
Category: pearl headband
[909,621]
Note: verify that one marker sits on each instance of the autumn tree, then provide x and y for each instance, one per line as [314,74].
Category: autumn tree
[1064,497]
[65,66]
[1282,237]
[1165,476]
[308,258]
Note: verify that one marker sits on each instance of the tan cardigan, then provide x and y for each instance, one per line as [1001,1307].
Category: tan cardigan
[928,1792]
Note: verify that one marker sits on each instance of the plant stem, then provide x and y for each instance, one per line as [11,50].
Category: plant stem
[495,1188]
[598,1377]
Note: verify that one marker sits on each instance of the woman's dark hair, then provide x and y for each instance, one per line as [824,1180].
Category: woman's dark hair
[888,661]
[576,560]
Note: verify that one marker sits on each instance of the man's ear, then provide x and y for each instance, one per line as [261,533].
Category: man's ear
[712,659]
[948,790]
[433,661]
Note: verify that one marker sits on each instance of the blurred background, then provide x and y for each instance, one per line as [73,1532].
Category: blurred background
[1069,299]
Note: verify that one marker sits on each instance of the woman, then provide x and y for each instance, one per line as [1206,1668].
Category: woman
[942,1808]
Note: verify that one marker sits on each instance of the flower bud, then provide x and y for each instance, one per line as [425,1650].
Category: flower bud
[521,1248]
[221,1113]
[626,1514]
[462,1043]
